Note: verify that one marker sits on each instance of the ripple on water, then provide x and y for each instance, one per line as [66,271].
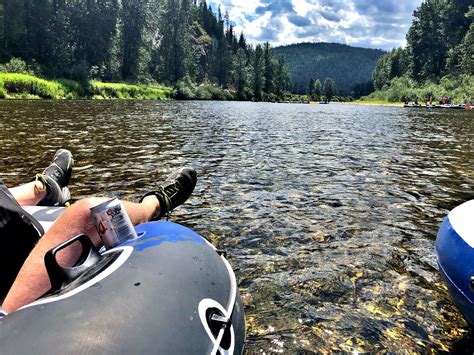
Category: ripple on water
[329,213]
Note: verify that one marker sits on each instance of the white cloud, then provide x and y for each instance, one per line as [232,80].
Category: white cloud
[365,23]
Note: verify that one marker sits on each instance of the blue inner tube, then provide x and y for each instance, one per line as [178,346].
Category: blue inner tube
[455,256]
[167,291]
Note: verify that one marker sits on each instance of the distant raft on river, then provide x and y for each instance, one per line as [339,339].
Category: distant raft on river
[455,107]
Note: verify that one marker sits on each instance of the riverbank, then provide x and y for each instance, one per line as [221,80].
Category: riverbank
[460,90]
[25,86]
[29,86]
[366,101]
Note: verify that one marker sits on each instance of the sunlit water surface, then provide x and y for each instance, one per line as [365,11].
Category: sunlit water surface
[329,213]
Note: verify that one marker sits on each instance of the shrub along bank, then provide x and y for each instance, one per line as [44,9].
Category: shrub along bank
[457,89]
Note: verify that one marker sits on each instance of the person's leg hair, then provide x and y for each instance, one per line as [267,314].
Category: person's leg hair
[32,280]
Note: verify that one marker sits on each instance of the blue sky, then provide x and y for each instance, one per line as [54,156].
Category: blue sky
[363,23]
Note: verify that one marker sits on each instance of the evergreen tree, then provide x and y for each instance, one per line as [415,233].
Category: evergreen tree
[427,42]
[294,87]
[382,70]
[268,71]
[439,43]
[310,90]
[223,62]
[134,17]
[242,43]
[185,60]
[398,62]
[95,24]
[258,73]
[61,55]
[282,77]
[241,74]
[467,45]
[177,58]
[38,37]
[329,89]
[14,28]
[317,89]
[455,21]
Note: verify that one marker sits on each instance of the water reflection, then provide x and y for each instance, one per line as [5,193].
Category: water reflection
[329,213]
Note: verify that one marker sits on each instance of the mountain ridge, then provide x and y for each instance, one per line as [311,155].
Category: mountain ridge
[345,64]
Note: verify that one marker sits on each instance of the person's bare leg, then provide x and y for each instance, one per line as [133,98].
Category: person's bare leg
[29,194]
[32,280]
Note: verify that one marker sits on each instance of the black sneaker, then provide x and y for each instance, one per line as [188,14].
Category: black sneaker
[56,177]
[60,169]
[174,191]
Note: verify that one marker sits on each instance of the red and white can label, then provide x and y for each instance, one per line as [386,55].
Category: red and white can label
[113,223]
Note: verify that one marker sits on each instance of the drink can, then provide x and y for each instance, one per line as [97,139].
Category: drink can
[113,223]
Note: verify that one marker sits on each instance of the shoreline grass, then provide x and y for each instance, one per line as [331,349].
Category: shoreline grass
[26,86]
[376,102]
[14,85]
[100,90]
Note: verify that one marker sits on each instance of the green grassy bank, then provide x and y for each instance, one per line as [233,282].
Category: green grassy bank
[25,86]
[455,88]
[367,101]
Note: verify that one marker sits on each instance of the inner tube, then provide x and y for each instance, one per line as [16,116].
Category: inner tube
[455,257]
[167,291]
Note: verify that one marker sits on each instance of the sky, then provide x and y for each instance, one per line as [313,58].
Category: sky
[361,23]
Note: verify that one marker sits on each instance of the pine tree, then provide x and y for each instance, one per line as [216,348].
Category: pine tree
[95,23]
[329,89]
[38,40]
[282,77]
[467,53]
[382,70]
[134,17]
[14,28]
[268,68]
[428,60]
[222,62]
[258,77]
[241,74]
[310,90]
[317,89]
[242,42]
[177,58]
[61,39]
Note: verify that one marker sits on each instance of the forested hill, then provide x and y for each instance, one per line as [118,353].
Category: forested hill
[344,64]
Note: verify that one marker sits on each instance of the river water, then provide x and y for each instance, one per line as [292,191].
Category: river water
[329,213]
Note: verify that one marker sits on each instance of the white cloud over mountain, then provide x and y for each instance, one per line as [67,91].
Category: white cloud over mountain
[364,23]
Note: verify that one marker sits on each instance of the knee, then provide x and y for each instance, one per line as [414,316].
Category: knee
[79,212]
[85,204]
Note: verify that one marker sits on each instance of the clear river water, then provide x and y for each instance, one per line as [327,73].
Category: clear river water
[329,213]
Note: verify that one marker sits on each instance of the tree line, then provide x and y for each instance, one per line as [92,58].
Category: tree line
[440,45]
[183,43]
[319,92]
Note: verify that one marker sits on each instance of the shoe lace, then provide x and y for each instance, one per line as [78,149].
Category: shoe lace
[42,178]
[167,192]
